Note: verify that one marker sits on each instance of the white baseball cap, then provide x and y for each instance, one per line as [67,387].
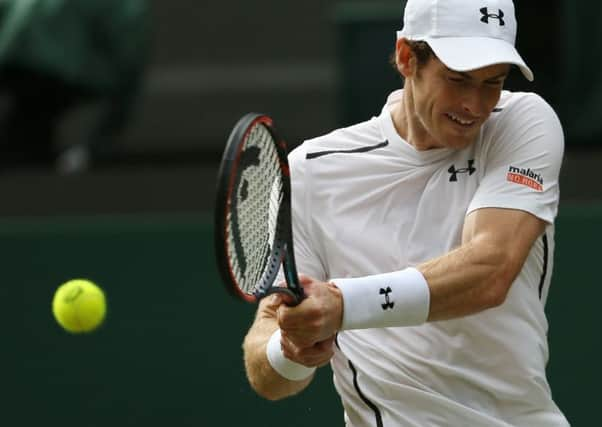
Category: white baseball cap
[465,34]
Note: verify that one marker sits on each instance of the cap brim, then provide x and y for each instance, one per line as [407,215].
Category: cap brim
[470,53]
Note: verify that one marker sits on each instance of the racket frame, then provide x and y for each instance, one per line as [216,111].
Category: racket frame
[282,248]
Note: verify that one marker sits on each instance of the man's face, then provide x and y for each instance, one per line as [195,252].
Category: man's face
[452,106]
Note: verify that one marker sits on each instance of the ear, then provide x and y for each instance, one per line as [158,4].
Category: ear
[404,58]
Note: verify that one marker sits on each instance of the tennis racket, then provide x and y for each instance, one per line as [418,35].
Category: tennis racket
[253,232]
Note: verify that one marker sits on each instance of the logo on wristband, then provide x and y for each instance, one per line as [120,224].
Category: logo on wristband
[388,303]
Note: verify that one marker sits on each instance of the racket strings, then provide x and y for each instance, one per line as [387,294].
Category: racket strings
[255,202]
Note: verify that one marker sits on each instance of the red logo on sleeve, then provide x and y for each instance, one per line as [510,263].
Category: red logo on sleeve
[525,177]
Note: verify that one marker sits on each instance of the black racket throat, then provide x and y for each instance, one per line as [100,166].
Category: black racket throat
[292,294]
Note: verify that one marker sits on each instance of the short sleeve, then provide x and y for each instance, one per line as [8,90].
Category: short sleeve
[521,156]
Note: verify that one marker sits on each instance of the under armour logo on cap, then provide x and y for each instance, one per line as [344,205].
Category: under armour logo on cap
[487,15]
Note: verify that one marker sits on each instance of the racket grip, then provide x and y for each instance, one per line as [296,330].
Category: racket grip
[289,297]
[292,278]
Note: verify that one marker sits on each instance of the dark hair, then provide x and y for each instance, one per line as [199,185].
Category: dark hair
[420,49]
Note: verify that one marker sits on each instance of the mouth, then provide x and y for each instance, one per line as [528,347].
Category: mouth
[460,121]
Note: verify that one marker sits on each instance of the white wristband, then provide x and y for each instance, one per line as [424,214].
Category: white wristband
[400,298]
[287,368]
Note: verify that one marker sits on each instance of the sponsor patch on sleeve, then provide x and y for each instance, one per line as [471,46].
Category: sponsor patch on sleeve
[525,177]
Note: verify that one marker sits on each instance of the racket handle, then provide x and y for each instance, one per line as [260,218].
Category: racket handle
[292,278]
[290,298]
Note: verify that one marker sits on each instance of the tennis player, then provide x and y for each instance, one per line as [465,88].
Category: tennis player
[426,239]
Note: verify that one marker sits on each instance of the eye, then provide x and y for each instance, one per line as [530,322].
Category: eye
[495,83]
[455,79]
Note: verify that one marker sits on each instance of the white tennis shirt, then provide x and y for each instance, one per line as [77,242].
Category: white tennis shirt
[366,202]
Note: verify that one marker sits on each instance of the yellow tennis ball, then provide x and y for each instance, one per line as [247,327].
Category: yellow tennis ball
[79,306]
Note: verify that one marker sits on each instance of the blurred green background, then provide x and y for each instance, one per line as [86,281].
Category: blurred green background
[113,116]
[169,352]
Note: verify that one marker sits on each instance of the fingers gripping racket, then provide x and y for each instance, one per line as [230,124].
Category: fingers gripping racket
[253,231]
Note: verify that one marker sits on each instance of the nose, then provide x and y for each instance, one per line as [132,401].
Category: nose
[473,101]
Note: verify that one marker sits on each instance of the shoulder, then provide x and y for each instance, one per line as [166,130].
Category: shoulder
[348,138]
[523,118]
[360,138]
[521,109]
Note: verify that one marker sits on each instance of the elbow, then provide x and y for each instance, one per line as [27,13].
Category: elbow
[497,293]
[266,389]
[266,392]
[273,390]
[273,397]
[265,381]
[500,281]
[261,380]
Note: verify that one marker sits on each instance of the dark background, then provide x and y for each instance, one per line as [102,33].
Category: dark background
[138,220]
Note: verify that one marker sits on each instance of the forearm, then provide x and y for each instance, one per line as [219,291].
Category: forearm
[465,281]
[262,377]
[472,278]
[478,275]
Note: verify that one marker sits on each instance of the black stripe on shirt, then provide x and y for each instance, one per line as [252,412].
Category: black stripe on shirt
[378,417]
[545,264]
[317,154]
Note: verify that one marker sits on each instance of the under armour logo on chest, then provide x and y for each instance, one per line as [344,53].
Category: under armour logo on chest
[388,303]
[454,172]
[487,16]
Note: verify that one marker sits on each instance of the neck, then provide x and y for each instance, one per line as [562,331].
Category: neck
[408,125]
